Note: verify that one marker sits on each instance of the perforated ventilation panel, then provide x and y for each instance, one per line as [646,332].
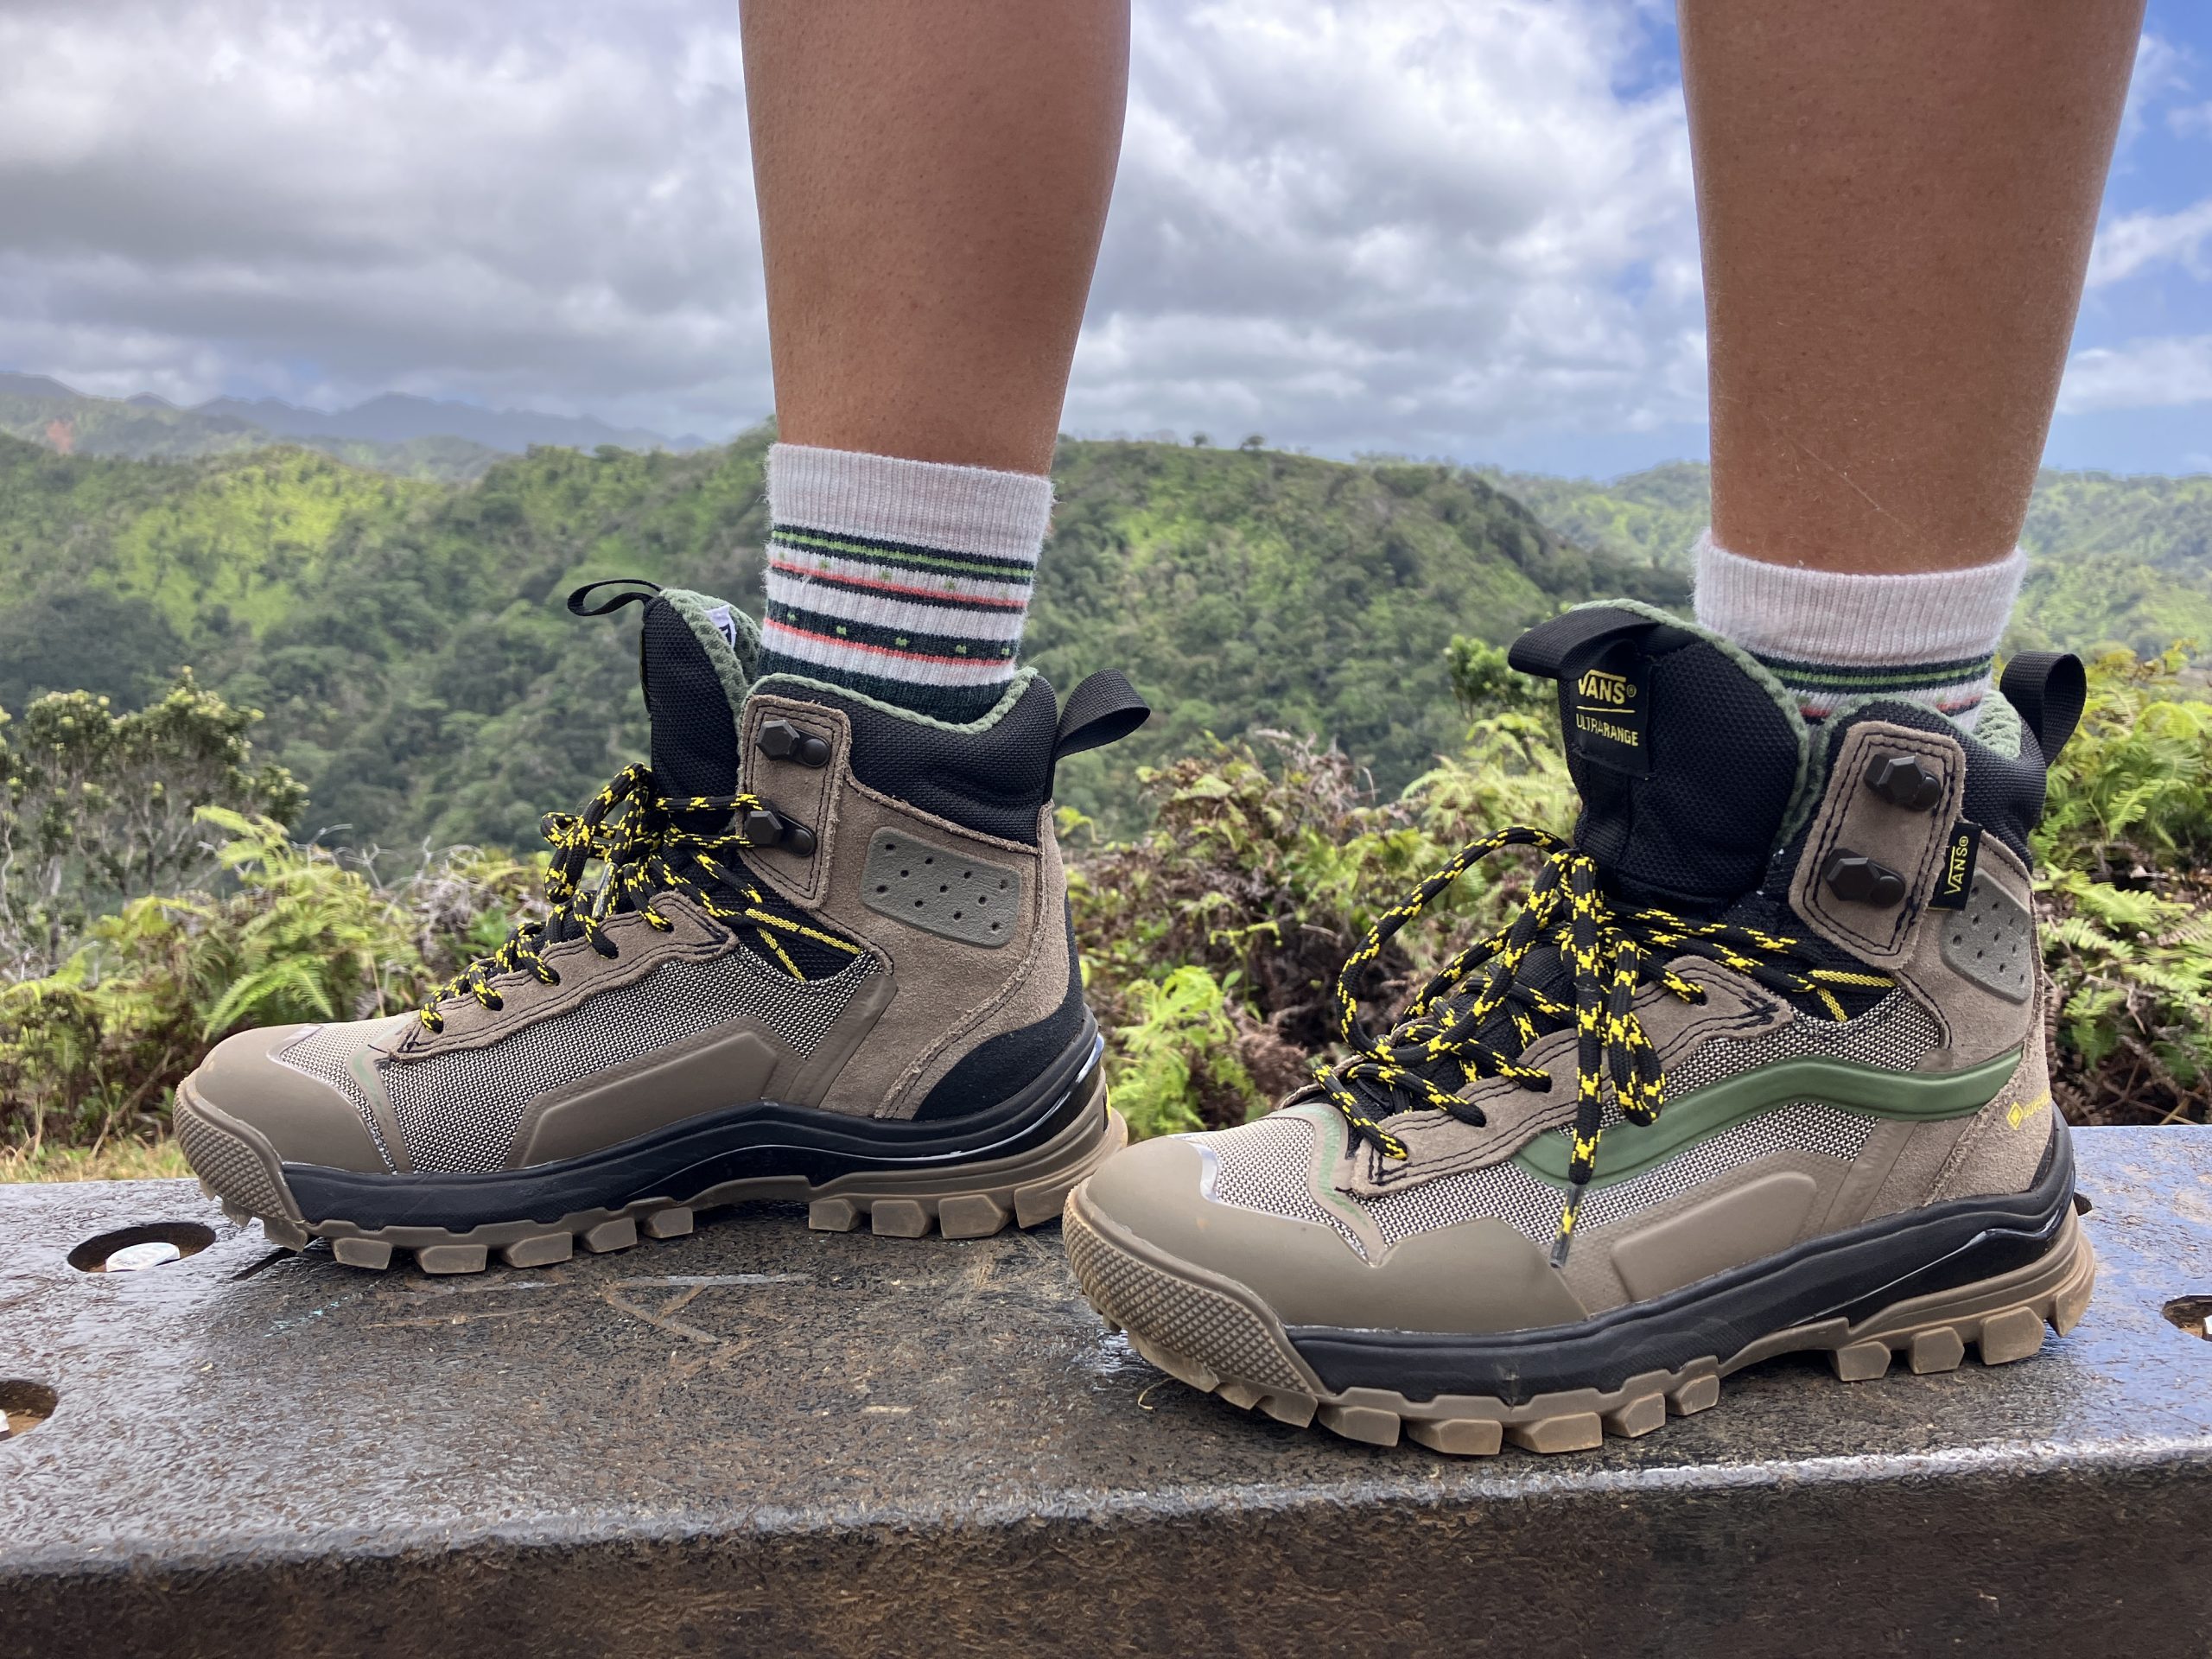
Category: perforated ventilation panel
[941,890]
[1991,942]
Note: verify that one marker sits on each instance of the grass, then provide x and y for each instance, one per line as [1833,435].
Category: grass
[119,1160]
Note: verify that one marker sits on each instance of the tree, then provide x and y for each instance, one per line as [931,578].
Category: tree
[97,809]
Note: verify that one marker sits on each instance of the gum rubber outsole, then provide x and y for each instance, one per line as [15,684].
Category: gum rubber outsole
[239,1170]
[1214,1336]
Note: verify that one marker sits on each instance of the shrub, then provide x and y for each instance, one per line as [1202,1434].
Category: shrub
[294,932]
[2126,895]
[97,809]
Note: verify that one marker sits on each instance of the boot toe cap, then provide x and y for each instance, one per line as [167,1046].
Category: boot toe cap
[303,1119]
[1165,1199]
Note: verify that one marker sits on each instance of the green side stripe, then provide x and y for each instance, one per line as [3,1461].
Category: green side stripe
[1918,1097]
[1846,680]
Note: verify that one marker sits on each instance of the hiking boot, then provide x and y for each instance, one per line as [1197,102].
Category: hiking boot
[1756,1067]
[829,959]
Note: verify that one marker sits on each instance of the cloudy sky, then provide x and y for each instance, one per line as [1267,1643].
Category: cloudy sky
[1457,229]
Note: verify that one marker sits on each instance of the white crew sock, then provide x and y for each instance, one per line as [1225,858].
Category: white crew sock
[1927,637]
[906,580]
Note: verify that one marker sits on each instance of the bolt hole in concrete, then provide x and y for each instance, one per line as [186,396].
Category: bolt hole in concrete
[133,1249]
[2190,1313]
[24,1406]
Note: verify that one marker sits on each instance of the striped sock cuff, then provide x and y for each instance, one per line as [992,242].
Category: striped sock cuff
[907,580]
[1927,637]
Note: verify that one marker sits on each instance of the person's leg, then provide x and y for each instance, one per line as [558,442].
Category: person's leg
[933,177]
[1897,200]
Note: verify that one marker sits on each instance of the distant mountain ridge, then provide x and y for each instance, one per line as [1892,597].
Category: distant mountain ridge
[415,438]
[396,416]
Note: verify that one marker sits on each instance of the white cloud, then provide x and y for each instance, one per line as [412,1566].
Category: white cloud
[1415,224]
[1405,224]
[2142,374]
[323,200]
[2161,69]
[2137,242]
[1413,227]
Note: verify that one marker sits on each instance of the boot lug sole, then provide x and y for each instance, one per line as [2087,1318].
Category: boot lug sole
[1252,1364]
[1025,1190]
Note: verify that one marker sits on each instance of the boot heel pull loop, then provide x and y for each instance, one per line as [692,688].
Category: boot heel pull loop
[1104,708]
[2050,689]
[577,608]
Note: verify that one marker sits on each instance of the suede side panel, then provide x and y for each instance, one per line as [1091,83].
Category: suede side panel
[2004,1142]
[1852,818]
[1912,1179]
[1977,1024]
[1037,989]
[807,795]
[946,996]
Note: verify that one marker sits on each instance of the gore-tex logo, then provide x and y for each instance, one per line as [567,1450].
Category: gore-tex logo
[725,623]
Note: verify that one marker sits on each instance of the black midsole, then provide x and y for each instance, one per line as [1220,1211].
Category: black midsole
[1850,1275]
[762,1140]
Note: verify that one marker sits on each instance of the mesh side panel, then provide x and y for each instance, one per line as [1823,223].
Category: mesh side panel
[1503,1190]
[327,1054]
[460,1110]
[1895,1033]
[1511,1194]
[1265,1166]
[1802,1125]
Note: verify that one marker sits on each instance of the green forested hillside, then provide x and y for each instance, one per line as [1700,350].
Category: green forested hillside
[408,644]
[2117,561]
[406,640]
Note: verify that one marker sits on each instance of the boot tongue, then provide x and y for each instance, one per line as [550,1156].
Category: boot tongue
[1687,753]
[697,656]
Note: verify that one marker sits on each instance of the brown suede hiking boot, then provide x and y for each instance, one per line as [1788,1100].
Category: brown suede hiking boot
[1758,1068]
[829,959]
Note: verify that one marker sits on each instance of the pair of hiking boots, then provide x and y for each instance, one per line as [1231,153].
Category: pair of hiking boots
[1758,1066]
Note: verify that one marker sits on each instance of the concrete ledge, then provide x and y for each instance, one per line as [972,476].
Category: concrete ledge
[763,1439]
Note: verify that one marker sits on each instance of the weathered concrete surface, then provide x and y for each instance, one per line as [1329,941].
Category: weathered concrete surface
[760,1439]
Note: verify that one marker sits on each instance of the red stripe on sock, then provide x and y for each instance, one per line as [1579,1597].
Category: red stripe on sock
[774,626]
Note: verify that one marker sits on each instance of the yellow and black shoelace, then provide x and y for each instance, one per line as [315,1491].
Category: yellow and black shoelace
[645,851]
[1608,953]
